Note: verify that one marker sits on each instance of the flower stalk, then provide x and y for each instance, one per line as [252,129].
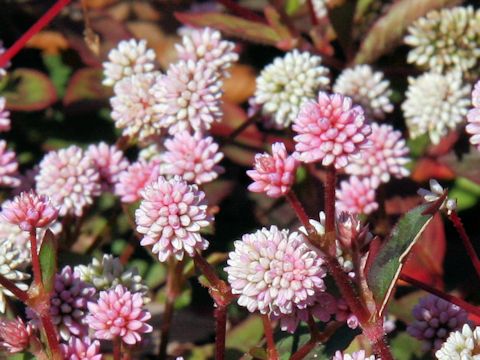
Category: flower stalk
[268,331]
[37,273]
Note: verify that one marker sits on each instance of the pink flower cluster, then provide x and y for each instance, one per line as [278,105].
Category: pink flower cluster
[134,179]
[109,162]
[14,335]
[357,196]
[81,349]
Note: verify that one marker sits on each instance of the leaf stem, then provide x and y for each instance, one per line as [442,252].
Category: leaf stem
[467,243]
[52,337]
[34,29]
[268,331]
[14,289]
[117,348]
[220,331]
[37,272]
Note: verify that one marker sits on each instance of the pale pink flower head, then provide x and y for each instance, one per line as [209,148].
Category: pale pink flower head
[119,314]
[109,162]
[189,97]
[8,166]
[356,195]
[170,217]
[273,174]
[330,131]
[207,44]
[4,115]
[68,304]
[473,118]
[81,349]
[134,179]
[69,179]
[357,355]
[386,156]
[275,272]
[14,335]
[29,211]
[193,157]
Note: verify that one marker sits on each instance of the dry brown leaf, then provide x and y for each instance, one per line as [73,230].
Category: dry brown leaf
[99,4]
[145,11]
[240,85]
[51,42]
[119,12]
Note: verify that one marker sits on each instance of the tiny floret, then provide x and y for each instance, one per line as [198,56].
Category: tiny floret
[330,131]
[356,195]
[4,114]
[69,178]
[461,345]
[357,355]
[273,174]
[29,211]
[285,84]
[170,217]
[367,88]
[193,157]
[118,313]
[9,176]
[128,58]
[275,272]
[473,118]
[435,103]
[14,335]
[134,179]
[435,193]
[81,349]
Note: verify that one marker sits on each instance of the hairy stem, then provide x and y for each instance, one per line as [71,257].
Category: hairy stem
[268,331]
[300,211]
[447,297]
[220,331]
[52,337]
[34,29]
[14,289]
[467,243]
[37,273]
[330,208]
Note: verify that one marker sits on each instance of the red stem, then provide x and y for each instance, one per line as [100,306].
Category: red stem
[300,211]
[241,11]
[117,349]
[330,199]
[10,286]
[268,331]
[313,16]
[467,243]
[52,337]
[37,272]
[450,298]
[220,331]
[304,350]
[34,29]
[208,271]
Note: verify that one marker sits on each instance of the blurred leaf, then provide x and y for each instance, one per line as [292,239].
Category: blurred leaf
[59,72]
[389,261]
[245,335]
[213,259]
[288,343]
[156,275]
[288,42]
[402,308]
[428,168]
[21,356]
[467,167]
[292,6]
[425,262]
[99,4]
[48,260]
[466,192]
[51,42]
[32,91]
[389,29]
[405,348]
[341,18]
[85,87]
[239,155]
[232,26]
[362,7]
[419,145]
[218,190]
[240,86]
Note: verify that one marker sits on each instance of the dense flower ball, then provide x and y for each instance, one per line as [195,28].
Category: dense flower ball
[4,115]
[29,211]
[275,271]
[170,217]
[8,166]
[193,157]
[273,174]
[473,118]
[366,88]
[435,192]
[435,103]
[461,345]
[14,335]
[356,195]
[134,179]
[189,97]
[119,314]
[357,355]
[68,304]
[69,179]
[13,263]
[207,44]
[109,162]
[109,272]
[128,58]
[330,131]
[81,349]
[386,156]
[435,318]
[285,84]
[446,39]
[133,106]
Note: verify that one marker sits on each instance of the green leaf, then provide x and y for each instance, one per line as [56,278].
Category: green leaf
[466,192]
[21,356]
[292,6]
[59,72]
[85,87]
[48,260]
[29,90]
[387,32]
[233,26]
[245,335]
[405,348]
[389,261]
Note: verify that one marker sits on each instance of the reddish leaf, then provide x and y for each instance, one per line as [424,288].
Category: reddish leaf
[425,262]
[239,155]
[233,26]
[31,91]
[445,145]
[428,168]
[400,205]
[218,190]
[86,86]
[467,167]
